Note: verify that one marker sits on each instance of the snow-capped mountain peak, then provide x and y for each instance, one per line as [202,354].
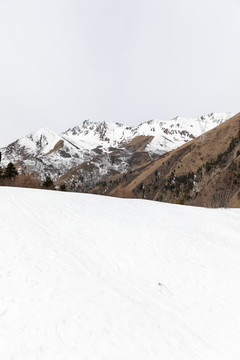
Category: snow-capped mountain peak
[40,142]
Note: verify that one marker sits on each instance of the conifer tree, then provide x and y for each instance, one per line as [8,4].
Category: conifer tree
[48,183]
[10,171]
[63,187]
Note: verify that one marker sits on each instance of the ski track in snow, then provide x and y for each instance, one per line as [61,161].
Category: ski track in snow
[90,277]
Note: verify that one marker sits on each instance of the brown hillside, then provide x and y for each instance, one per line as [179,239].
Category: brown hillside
[138,143]
[205,172]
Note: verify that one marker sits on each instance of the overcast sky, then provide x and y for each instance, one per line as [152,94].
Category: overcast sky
[63,61]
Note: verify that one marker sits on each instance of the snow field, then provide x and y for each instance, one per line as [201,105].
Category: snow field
[91,277]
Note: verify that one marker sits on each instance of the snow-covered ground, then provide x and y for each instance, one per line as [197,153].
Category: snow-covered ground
[90,277]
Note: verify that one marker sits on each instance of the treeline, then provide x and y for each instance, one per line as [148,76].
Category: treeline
[9,176]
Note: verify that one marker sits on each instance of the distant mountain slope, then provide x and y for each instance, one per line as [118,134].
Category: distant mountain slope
[90,277]
[86,154]
[204,171]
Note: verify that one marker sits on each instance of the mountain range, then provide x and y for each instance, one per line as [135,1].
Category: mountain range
[90,153]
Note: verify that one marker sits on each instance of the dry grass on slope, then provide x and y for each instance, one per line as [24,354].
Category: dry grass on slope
[205,171]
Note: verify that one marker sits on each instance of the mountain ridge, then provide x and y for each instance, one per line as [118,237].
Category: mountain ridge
[88,153]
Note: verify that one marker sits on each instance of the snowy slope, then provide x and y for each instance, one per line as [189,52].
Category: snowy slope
[90,277]
[40,142]
[44,152]
[105,134]
[168,135]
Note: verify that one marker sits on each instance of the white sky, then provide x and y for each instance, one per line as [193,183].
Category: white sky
[63,61]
